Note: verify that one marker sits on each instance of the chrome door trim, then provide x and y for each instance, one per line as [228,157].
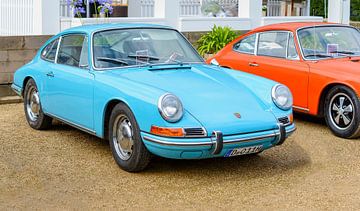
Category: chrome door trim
[301,108]
[77,126]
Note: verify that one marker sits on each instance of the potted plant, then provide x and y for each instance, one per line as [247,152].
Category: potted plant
[214,41]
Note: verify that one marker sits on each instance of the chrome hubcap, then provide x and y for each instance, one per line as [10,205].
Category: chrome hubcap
[341,111]
[123,137]
[33,104]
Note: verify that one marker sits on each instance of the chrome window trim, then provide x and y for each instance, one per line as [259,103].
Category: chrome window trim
[287,48]
[274,31]
[58,49]
[315,26]
[139,66]
[255,46]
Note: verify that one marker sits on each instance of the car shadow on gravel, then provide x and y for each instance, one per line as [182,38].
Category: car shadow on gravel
[275,161]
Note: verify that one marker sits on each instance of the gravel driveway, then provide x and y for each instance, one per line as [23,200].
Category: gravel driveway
[64,168]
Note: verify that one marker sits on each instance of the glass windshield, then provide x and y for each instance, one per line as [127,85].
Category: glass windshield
[329,42]
[121,48]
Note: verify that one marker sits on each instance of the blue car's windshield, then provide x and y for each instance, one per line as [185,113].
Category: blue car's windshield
[130,47]
[329,42]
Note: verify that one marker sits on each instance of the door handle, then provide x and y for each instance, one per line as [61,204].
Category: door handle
[253,64]
[50,74]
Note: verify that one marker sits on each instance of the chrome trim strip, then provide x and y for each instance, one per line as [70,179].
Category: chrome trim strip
[210,143]
[184,144]
[92,132]
[16,89]
[301,108]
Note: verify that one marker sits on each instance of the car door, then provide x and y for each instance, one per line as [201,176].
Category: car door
[69,86]
[277,58]
[241,54]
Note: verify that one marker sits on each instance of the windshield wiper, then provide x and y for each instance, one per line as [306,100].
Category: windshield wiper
[144,56]
[112,60]
[319,55]
[344,52]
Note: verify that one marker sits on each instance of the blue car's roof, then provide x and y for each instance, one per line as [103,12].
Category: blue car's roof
[100,27]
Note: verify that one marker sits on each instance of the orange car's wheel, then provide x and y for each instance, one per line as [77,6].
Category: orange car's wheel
[342,107]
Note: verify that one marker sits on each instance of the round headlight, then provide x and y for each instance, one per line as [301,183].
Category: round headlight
[170,107]
[282,97]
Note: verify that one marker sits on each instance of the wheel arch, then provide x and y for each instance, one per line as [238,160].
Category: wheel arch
[324,93]
[25,81]
[107,113]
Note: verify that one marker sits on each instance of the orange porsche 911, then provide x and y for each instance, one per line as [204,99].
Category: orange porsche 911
[319,62]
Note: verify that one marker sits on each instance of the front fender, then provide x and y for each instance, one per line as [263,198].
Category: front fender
[141,99]
[261,87]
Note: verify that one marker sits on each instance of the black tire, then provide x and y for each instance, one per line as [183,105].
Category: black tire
[38,120]
[140,157]
[342,112]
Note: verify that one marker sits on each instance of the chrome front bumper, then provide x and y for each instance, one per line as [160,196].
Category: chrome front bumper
[208,147]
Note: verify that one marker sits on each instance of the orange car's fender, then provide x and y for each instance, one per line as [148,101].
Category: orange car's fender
[318,87]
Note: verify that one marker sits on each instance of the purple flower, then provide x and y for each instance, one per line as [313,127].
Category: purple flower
[78,10]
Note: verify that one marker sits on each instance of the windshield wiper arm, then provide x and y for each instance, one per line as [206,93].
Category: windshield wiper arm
[144,56]
[112,60]
[319,55]
[343,52]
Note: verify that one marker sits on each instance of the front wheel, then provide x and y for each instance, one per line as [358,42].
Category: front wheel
[342,109]
[125,141]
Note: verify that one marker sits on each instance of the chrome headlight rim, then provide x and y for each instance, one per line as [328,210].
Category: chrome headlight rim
[288,105]
[177,116]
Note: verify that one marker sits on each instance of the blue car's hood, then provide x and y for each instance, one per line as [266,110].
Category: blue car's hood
[211,96]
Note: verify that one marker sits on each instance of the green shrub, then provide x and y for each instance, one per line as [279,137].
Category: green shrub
[215,40]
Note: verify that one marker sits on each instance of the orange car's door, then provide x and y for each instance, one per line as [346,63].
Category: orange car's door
[241,54]
[277,59]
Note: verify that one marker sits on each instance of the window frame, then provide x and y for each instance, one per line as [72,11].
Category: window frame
[318,26]
[72,34]
[286,47]
[255,46]
[92,55]
[57,48]
[257,34]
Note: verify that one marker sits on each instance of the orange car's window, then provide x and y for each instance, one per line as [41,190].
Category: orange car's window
[246,45]
[291,52]
[273,44]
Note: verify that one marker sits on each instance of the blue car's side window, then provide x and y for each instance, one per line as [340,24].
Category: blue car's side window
[49,52]
[70,50]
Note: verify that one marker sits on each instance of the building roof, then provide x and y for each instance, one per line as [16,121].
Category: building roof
[99,27]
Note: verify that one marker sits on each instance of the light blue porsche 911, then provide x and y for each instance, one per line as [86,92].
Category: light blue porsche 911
[146,90]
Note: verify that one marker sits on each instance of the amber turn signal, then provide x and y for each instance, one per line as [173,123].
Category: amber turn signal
[170,132]
[291,118]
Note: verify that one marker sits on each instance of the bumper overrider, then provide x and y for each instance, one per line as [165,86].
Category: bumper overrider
[218,145]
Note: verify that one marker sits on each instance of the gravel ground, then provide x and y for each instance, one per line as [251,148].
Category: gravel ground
[64,168]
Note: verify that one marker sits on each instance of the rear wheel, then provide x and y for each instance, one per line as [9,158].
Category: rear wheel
[342,115]
[32,106]
[125,141]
